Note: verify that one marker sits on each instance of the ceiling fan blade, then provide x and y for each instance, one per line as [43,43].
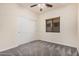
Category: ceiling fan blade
[33,5]
[49,5]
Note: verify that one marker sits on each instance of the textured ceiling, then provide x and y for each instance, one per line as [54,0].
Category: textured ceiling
[36,9]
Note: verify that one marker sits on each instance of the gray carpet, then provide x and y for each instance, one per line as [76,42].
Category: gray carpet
[41,48]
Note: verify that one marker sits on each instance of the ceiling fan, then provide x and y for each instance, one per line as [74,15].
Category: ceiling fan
[42,5]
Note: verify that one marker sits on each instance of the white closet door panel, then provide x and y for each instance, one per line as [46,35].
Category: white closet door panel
[26,30]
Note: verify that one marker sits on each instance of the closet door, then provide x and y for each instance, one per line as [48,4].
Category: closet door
[26,30]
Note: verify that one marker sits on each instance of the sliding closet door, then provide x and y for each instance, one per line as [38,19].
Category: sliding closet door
[26,30]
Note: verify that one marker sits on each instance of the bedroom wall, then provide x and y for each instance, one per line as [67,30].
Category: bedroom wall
[78,21]
[26,26]
[68,26]
[10,16]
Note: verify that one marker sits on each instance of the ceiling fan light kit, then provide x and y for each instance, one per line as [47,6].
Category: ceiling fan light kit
[42,5]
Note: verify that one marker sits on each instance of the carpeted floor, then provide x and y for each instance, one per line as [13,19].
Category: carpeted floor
[41,48]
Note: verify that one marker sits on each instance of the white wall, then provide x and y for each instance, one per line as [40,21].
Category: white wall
[26,29]
[78,22]
[68,26]
[10,15]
